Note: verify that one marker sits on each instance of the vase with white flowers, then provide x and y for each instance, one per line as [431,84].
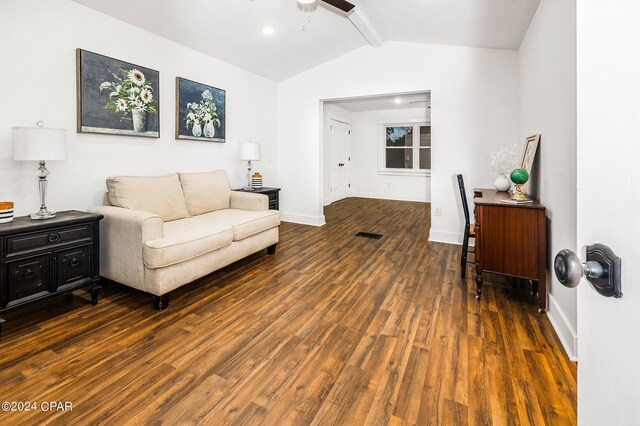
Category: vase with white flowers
[503,161]
[131,94]
[203,116]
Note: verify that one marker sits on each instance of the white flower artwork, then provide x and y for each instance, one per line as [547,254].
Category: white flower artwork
[200,111]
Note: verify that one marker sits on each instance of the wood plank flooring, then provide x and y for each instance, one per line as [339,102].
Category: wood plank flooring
[333,329]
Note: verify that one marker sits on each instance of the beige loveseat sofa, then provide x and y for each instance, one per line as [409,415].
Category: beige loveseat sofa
[160,233]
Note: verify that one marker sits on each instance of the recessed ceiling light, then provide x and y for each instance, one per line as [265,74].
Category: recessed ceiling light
[397,100]
[268,30]
[306,1]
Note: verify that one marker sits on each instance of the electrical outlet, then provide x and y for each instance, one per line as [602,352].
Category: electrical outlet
[437,211]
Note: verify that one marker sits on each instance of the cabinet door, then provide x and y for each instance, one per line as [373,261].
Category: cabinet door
[273,200]
[74,266]
[27,277]
[510,240]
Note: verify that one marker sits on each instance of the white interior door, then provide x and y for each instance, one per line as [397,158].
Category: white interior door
[608,66]
[339,170]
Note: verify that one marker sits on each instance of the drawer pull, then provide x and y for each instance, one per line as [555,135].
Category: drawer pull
[54,238]
[28,274]
[74,262]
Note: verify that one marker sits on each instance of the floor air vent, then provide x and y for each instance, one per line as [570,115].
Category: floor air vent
[369,235]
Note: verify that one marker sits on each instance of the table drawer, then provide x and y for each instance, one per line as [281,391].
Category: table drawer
[27,277]
[74,265]
[36,240]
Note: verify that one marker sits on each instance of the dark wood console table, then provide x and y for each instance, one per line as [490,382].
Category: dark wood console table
[41,258]
[272,193]
[511,240]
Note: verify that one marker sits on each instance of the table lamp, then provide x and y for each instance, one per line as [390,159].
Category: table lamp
[249,151]
[40,144]
[519,177]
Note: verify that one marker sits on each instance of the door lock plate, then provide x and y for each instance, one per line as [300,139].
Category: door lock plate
[610,283]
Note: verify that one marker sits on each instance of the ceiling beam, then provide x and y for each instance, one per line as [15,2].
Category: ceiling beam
[363,25]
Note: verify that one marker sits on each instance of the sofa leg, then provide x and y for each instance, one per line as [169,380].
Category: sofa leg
[161,302]
[272,249]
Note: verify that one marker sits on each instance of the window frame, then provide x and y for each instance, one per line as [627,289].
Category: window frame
[382,144]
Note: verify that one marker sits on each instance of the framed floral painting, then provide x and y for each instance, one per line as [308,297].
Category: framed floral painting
[116,97]
[200,111]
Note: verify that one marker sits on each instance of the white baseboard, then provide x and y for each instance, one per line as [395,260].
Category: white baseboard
[445,237]
[564,330]
[395,197]
[448,238]
[303,219]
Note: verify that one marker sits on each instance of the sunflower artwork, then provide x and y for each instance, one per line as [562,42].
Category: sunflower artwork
[132,94]
[116,97]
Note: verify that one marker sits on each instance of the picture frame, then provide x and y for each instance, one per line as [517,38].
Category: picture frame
[529,152]
[200,111]
[116,97]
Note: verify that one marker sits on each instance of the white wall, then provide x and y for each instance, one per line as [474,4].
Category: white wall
[474,110]
[344,115]
[366,158]
[40,38]
[548,106]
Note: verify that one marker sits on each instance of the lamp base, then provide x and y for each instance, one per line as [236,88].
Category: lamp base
[249,186]
[518,194]
[42,214]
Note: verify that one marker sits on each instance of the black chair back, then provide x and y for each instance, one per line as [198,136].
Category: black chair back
[463,195]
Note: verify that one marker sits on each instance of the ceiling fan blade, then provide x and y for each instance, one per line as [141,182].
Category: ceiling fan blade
[343,5]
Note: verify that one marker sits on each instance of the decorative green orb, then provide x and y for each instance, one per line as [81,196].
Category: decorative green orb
[519,176]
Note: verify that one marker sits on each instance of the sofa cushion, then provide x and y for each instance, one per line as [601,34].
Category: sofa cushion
[205,192]
[245,223]
[160,195]
[186,239]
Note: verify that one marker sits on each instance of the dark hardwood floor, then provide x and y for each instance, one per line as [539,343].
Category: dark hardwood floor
[333,329]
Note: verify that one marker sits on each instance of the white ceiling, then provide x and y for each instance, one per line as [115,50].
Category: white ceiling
[230,29]
[385,102]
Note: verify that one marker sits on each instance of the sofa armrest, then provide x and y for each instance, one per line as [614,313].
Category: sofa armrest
[123,233]
[249,201]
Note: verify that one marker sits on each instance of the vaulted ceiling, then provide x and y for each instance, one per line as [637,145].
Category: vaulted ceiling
[230,30]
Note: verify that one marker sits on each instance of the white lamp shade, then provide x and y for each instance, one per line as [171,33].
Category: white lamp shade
[39,144]
[249,151]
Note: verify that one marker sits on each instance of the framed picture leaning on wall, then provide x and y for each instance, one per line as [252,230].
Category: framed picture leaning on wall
[529,152]
[116,97]
[200,111]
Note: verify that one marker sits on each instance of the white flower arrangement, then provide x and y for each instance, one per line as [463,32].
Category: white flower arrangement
[203,112]
[504,160]
[134,92]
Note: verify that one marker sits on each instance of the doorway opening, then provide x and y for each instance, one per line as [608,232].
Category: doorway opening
[377,147]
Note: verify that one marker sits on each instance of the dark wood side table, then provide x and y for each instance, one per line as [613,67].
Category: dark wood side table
[511,239]
[273,193]
[41,258]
